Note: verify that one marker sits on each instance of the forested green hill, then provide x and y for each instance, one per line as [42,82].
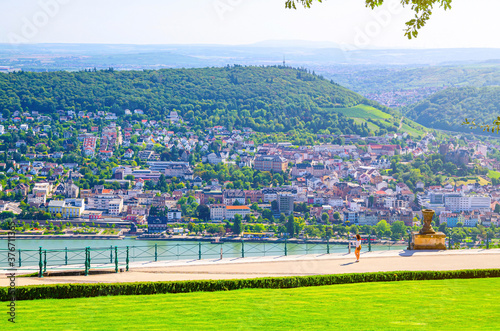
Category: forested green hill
[447,109]
[267,99]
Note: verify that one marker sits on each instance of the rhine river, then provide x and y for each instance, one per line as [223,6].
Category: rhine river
[59,252]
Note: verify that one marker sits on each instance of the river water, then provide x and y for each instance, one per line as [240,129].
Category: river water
[60,252]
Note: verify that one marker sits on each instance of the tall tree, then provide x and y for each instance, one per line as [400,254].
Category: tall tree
[203,212]
[237,225]
[398,228]
[290,225]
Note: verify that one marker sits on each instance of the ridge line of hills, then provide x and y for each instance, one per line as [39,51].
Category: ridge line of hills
[266,99]
[447,109]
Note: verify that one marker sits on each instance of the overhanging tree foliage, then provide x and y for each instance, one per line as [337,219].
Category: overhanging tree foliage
[494,127]
[421,8]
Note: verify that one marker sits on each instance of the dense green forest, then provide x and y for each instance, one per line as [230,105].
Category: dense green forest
[266,99]
[447,109]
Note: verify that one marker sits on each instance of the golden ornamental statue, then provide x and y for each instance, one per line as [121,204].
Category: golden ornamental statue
[427,228]
[427,238]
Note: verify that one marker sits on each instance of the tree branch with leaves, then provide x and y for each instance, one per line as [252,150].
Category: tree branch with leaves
[493,127]
[421,8]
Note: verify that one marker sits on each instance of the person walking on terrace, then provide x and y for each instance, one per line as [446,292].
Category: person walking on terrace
[357,252]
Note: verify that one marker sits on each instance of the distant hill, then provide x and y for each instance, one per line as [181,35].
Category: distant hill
[42,57]
[401,86]
[267,99]
[447,109]
[378,80]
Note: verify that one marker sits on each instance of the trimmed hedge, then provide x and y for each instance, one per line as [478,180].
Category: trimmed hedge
[67,291]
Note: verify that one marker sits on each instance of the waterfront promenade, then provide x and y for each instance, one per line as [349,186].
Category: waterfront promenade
[271,266]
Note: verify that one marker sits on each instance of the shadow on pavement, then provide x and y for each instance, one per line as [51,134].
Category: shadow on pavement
[406,253]
[349,263]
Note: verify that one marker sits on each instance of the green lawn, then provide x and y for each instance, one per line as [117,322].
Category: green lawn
[371,126]
[480,180]
[361,111]
[412,131]
[461,304]
[493,174]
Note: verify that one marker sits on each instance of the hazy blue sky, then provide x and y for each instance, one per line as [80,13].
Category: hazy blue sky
[470,23]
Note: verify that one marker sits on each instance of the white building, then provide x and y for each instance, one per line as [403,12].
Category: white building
[217,212]
[335,149]
[213,158]
[174,215]
[115,206]
[460,202]
[232,211]
[109,203]
[482,203]
[229,197]
[336,202]
[45,188]
[390,202]
[37,198]
[271,193]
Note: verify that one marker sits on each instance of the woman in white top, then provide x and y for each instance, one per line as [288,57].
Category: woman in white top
[358,247]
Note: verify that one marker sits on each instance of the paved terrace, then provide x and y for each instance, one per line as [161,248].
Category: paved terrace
[255,267]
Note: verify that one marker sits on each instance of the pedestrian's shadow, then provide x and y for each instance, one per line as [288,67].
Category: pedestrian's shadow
[349,263]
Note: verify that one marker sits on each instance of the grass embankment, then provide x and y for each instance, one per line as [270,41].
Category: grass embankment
[494,174]
[418,130]
[362,111]
[466,181]
[455,304]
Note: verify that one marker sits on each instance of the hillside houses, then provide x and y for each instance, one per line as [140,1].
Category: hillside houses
[161,166]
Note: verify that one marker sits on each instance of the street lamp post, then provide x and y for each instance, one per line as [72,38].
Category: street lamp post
[348,242]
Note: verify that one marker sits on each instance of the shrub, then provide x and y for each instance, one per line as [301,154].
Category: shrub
[66,291]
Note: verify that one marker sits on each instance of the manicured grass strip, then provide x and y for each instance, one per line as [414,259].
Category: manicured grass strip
[458,304]
[66,291]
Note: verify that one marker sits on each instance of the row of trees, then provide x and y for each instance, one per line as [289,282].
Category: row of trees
[294,226]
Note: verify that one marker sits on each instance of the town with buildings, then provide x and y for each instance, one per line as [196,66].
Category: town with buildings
[158,175]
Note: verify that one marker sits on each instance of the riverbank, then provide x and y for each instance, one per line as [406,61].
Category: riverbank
[217,240]
[62,237]
[222,240]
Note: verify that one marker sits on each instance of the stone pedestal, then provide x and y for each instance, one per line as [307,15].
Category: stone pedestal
[435,241]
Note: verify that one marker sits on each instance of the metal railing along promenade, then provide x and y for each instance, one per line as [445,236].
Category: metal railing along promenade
[114,257]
